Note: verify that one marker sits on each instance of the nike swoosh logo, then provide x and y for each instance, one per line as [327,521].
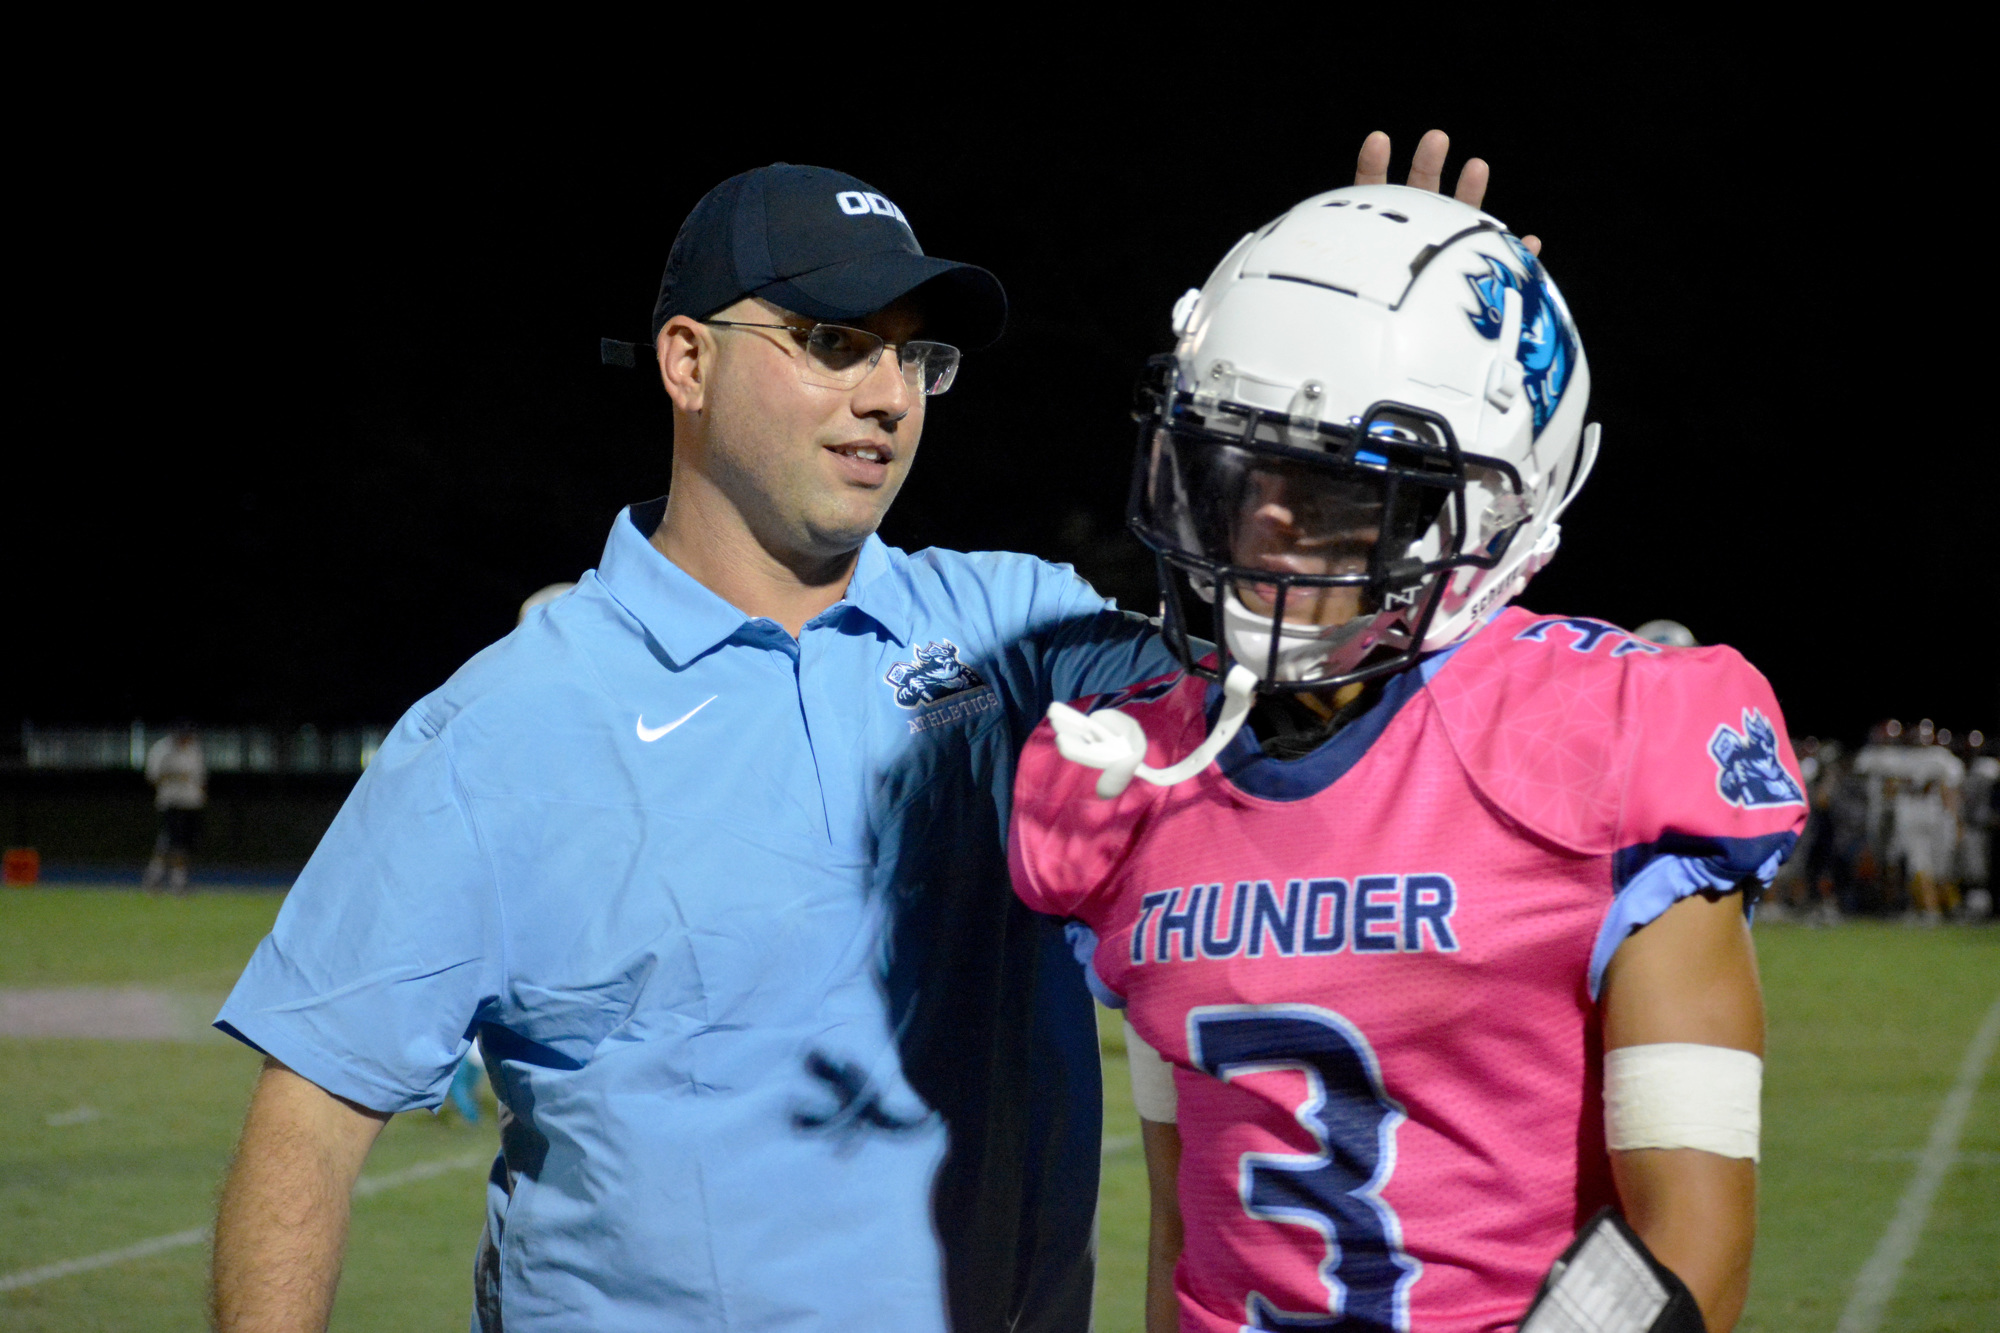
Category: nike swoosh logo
[651,734]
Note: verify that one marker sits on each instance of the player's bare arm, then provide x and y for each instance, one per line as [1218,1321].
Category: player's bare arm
[1164,1233]
[282,1222]
[1690,976]
[1427,171]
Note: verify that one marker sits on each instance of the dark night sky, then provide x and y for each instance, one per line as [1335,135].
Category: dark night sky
[312,400]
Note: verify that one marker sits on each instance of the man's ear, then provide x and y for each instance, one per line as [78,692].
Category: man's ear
[686,353]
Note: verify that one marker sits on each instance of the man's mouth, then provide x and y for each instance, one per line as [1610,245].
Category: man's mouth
[867,453]
[1288,564]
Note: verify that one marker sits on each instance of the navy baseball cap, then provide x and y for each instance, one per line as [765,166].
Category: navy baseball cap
[825,245]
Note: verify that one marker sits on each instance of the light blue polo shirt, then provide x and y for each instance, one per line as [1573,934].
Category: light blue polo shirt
[729,913]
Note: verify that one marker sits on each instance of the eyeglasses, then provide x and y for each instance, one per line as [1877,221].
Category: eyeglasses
[837,357]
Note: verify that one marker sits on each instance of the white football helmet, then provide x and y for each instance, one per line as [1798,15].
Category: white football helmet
[1374,413]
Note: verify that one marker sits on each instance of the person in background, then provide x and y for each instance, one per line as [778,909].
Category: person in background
[1791,894]
[1824,873]
[1982,795]
[1925,841]
[1667,633]
[1879,768]
[180,792]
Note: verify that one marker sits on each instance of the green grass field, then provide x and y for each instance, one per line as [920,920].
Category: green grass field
[110,1143]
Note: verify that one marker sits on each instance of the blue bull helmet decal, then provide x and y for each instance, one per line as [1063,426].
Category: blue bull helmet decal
[1548,336]
[935,674]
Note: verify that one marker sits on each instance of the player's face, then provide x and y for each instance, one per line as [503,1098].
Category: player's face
[812,468]
[1296,522]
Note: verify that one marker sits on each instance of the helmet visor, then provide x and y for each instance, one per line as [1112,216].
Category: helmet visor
[1330,536]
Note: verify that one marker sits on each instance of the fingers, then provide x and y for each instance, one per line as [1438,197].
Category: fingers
[1427,172]
[1472,178]
[1427,167]
[1372,167]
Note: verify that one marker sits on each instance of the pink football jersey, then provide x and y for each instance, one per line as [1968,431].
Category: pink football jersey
[1375,968]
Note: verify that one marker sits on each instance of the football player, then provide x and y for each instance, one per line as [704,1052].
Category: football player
[1433,909]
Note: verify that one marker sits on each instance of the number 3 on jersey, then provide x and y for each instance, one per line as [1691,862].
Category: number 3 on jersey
[1336,1191]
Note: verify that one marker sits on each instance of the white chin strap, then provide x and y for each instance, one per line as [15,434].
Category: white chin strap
[1115,743]
[1305,652]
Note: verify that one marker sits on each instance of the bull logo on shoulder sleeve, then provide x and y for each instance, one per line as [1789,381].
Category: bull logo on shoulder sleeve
[1750,774]
[934,674]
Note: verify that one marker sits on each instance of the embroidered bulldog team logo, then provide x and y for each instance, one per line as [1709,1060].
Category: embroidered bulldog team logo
[935,674]
[1750,773]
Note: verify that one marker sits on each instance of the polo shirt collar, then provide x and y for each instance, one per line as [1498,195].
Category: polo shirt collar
[683,617]
[879,592]
[687,619]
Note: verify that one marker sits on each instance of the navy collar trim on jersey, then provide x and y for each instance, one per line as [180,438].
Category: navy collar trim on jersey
[1246,765]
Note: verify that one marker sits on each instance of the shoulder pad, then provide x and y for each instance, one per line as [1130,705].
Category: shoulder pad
[1532,706]
[1066,842]
[1596,739]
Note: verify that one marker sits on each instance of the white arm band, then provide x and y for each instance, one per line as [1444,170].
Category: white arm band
[1152,1080]
[1676,1094]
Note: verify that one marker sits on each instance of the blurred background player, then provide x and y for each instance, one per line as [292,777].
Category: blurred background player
[1832,832]
[1924,844]
[1441,869]
[1981,805]
[1880,768]
[179,774]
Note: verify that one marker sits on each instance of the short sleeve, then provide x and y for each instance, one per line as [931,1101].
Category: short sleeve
[1086,645]
[387,946]
[1066,841]
[1153,1094]
[1712,796]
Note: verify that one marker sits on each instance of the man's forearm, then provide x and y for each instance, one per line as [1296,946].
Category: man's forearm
[282,1223]
[1697,1213]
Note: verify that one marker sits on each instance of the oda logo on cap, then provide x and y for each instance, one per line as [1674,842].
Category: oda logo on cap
[855,203]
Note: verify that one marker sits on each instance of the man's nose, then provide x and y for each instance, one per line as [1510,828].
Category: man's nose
[1273,515]
[885,392]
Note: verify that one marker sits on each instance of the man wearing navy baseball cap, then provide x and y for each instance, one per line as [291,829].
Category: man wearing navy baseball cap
[825,246]
[707,855]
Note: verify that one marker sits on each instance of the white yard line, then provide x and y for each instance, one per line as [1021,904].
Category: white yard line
[1884,1269]
[409,1175]
[50,1272]
[363,1188]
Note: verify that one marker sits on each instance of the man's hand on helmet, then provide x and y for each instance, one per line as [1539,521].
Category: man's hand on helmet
[1427,171]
